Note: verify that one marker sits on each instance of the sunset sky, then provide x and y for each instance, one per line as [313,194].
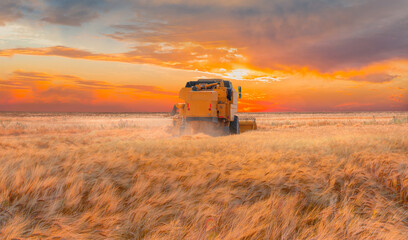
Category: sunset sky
[288,55]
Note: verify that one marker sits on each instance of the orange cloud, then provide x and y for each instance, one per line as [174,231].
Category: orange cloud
[40,91]
[221,61]
[37,91]
[287,89]
[186,56]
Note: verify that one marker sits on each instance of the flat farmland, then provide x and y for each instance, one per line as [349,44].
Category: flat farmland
[127,176]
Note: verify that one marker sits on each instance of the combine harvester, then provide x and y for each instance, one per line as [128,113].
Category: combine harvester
[209,107]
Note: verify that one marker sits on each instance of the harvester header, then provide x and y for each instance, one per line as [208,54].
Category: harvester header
[210,105]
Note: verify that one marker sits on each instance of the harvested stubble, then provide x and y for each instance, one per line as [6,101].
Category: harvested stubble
[75,179]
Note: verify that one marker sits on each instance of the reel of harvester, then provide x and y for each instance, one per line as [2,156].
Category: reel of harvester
[247,124]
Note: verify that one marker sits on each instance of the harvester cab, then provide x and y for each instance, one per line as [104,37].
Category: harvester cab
[210,106]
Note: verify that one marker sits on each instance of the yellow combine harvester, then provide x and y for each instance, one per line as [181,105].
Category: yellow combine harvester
[210,106]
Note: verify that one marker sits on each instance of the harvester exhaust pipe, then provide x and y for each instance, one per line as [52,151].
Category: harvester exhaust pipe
[239,92]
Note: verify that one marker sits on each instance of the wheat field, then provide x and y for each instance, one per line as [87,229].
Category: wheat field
[126,176]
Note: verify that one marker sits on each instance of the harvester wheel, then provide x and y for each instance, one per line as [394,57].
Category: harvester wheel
[234,126]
